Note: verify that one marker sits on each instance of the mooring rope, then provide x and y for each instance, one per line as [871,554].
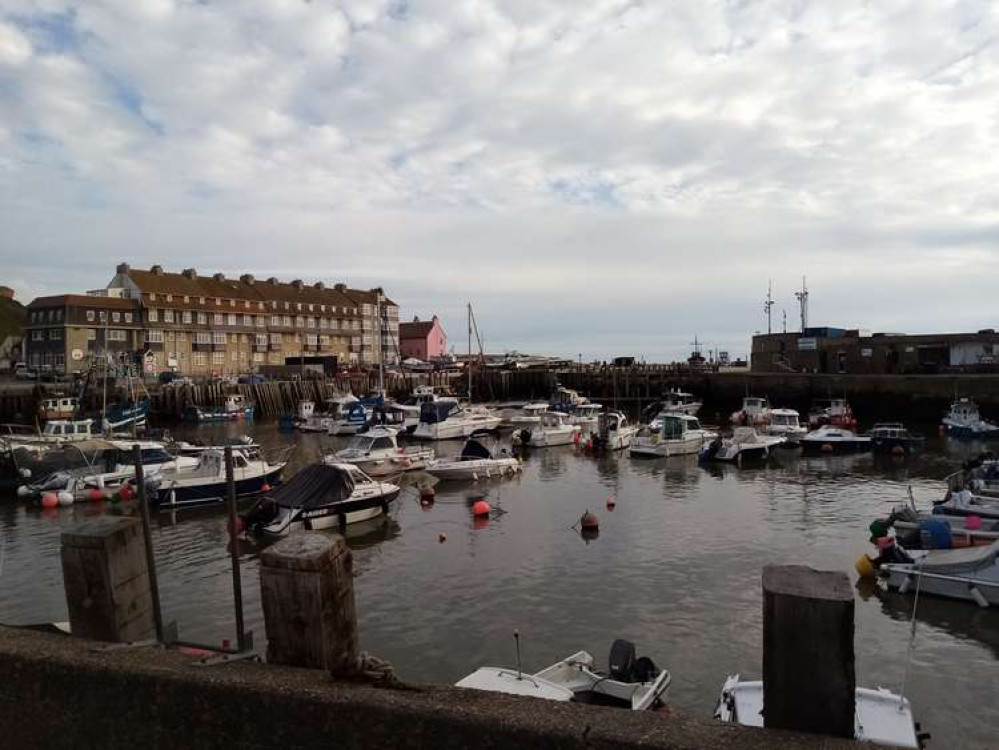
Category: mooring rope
[367,667]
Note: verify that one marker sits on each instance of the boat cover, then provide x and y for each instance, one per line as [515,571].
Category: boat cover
[966,560]
[744,435]
[436,411]
[313,487]
[474,450]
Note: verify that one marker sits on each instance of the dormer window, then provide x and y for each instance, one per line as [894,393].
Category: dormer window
[152,296]
[169,298]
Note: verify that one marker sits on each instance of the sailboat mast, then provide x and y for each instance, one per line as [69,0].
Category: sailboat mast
[469,353]
[381,350]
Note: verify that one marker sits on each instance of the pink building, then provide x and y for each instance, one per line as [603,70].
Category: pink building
[423,339]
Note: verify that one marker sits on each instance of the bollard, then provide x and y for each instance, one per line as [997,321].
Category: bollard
[307,594]
[809,682]
[107,580]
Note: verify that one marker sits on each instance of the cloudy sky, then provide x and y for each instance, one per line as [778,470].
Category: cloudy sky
[601,177]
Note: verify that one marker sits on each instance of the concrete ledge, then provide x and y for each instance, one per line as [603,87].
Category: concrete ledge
[60,692]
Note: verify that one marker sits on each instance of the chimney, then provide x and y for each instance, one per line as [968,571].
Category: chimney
[416,318]
[297,283]
[272,280]
[319,285]
[158,270]
[219,277]
[247,278]
[122,268]
[340,287]
[189,273]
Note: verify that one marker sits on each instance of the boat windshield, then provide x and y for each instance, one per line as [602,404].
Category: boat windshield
[360,443]
[672,427]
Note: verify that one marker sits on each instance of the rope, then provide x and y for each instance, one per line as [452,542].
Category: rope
[912,629]
[367,668]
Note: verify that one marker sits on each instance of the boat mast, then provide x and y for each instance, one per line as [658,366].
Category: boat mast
[469,353]
[381,351]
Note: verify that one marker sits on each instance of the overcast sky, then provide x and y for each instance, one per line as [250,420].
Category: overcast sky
[595,177]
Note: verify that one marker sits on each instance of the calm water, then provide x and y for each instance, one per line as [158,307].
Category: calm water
[676,569]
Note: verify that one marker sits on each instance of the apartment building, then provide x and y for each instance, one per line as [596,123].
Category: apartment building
[212,324]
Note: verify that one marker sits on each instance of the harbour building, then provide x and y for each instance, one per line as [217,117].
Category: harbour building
[210,324]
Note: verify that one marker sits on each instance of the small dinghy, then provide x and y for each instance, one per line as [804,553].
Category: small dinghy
[830,439]
[970,574]
[893,437]
[475,462]
[882,716]
[746,444]
[632,683]
[320,496]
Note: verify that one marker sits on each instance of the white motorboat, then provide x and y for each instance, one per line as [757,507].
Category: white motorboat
[830,439]
[676,401]
[527,416]
[678,435]
[376,452]
[566,399]
[323,419]
[320,496]
[613,432]
[349,419]
[637,684]
[755,412]
[56,432]
[785,423]
[745,444]
[970,574]
[555,428]
[423,394]
[882,717]
[587,417]
[475,462]
[206,483]
[445,420]
[964,421]
[832,411]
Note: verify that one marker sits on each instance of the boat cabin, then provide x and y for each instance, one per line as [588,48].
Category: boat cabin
[588,411]
[676,397]
[784,418]
[69,430]
[306,409]
[964,410]
[612,421]
[566,398]
[235,402]
[890,430]
[63,407]
[555,419]
[367,442]
[675,426]
[437,411]
[754,406]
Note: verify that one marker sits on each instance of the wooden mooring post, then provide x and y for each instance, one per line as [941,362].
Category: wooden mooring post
[809,682]
[307,594]
[107,580]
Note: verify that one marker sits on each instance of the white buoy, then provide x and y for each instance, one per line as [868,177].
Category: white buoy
[23,491]
[65,498]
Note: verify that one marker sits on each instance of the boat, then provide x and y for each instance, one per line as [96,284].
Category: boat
[423,394]
[233,408]
[350,419]
[636,684]
[126,416]
[981,476]
[320,496]
[882,717]
[915,530]
[745,444]
[205,483]
[475,462]
[321,419]
[58,407]
[445,420]
[829,439]
[613,432]
[964,421]
[679,434]
[377,453]
[555,428]
[587,417]
[56,432]
[969,574]
[964,502]
[893,437]
[785,423]
[527,416]
[566,400]
[832,411]
[675,401]
[755,412]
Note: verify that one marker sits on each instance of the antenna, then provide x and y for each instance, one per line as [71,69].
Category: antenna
[516,640]
[769,303]
[785,320]
[802,298]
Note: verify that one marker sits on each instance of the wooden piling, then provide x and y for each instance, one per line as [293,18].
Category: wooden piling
[106,580]
[809,683]
[307,593]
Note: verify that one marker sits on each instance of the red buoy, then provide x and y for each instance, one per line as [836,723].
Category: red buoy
[427,495]
[480,508]
[50,500]
[125,492]
[589,521]
[95,495]
[238,525]
[265,487]
[611,502]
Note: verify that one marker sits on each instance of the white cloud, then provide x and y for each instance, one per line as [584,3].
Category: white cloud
[606,176]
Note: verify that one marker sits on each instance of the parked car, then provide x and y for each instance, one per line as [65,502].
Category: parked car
[252,379]
[23,372]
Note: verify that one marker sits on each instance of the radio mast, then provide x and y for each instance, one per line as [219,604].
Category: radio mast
[769,303]
[802,297]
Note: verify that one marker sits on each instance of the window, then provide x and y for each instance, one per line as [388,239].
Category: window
[324,341]
[332,324]
[258,357]
[154,337]
[152,296]
[286,321]
[261,321]
[246,304]
[234,338]
[261,339]
[154,316]
[202,318]
[60,360]
[300,322]
[202,337]
[275,320]
[275,338]
[310,322]
[168,316]
[187,299]
[367,309]
[128,317]
[170,336]
[201,300]
[231,319]
[286,306]
[37,335]
[169,298]
[232,303]
[243,338]
[260,305]
[200,358]
[218,358]
[311,307]
[234,356]
[186,316]
[218,302]
[91,334]
[116,335]
[55,334]
[247,320]
[116,317]
[218,319]
[312,339]
[218,338]
[298,306]
[324,323]
[181,336]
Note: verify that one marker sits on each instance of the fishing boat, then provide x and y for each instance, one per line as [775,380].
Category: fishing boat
[964,421]
[475,462]
[126,416]
[57,432]
[629,682]
[527,416]
[755,412]
[982,477]
[746,444]
[205,483]
[320,496]
[234,407]
[678,435]
[893,437]
[969,574]
[613,432]
[59,407]
[377,453]
[445,420]
[832,411]
[829,439]
[785,423]
[555,428]
[351,419]
[587,417]
[882,717]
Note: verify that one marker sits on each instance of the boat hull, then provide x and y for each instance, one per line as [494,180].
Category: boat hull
[980,587]
[216,491]
[645,448]
[473,470]
[455,429]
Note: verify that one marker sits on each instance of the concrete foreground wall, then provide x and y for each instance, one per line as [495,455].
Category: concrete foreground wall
[60,692]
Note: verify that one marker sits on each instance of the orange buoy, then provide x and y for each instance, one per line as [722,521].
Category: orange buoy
[427,495]
[480,522]
[265,487]
[576,438]
[611,502]
[589,521]
[827,448]
[480,508]
[95,495]
[442,537]
[50,500]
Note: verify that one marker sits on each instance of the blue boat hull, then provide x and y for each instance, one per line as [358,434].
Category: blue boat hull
[216,492]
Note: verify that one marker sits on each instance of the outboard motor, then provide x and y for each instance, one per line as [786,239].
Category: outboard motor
[711,449]
[621,662]
[525,436]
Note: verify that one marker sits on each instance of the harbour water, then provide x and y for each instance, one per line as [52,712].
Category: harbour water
[675,568]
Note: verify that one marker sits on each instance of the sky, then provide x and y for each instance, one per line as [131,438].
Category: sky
[596,178]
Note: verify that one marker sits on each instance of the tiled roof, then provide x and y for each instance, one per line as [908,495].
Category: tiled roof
[85,300]
[416,330]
